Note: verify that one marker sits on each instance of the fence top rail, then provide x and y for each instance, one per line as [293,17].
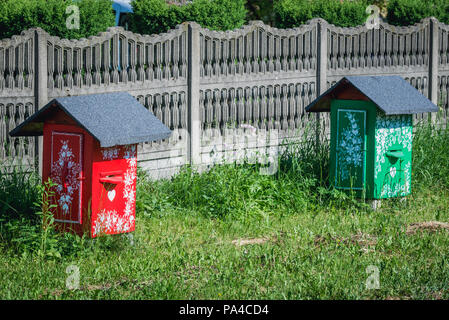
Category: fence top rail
[251,26]
[443,26]
[424,23]
[102,36]
[16,39]
[257,24]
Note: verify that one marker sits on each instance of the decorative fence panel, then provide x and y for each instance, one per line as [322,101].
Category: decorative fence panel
[443,71]
[17,76]
[151,68]
[227,96]
[254,87]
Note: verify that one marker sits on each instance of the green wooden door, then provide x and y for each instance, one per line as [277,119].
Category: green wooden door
[350,149]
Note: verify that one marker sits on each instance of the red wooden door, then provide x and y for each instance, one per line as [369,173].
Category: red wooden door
[66,169]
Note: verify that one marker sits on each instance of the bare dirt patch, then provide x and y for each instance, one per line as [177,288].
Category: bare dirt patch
[245,242]
[250,241]
[437,295]
[365,241]
[431,226]
[398,298]
[108,286]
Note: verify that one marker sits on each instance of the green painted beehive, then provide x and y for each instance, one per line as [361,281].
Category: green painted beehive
[372,133]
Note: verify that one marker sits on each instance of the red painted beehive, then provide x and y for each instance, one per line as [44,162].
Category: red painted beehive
[90,154]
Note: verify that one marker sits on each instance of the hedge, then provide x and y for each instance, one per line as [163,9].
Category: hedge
[408,12]
[155,16]
[261,10]
[293,13]
[50,15]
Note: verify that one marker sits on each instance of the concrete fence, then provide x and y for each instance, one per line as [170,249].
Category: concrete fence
[226,95]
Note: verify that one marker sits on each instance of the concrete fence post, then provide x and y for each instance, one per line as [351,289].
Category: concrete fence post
[40,87]
[321,70]
[433,64]
[193,83]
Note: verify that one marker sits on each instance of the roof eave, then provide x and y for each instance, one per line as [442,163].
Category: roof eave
[315,105]
[16,132]
[404,112]
[135,140]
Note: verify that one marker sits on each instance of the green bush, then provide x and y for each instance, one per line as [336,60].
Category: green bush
[155,16]
[50,15]
[261,10]
[293,13]
[408,12]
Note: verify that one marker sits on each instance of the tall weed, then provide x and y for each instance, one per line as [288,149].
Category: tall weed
[431,157]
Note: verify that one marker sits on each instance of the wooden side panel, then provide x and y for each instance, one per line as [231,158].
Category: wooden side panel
[352,146]
[350,149]
[67,161]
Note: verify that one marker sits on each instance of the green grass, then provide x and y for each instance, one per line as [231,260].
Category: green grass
[318,242]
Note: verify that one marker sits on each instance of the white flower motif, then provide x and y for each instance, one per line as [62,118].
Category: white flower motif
[350,146]
[110,153]
[111,222]
[65,172]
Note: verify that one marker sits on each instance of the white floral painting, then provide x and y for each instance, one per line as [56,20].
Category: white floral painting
[110,222]
[65,172]
[350,146]
[129,191]
[110,153]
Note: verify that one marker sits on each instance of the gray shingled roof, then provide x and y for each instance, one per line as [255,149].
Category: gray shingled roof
[112,118]
[391,94]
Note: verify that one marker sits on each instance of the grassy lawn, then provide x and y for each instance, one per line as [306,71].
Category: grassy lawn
[232,233]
